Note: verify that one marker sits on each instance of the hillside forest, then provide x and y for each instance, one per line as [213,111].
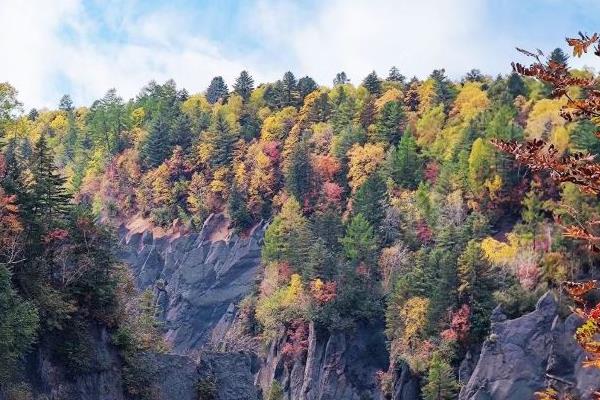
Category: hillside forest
[387,202]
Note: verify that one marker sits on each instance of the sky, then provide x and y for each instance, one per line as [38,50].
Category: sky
[84,48]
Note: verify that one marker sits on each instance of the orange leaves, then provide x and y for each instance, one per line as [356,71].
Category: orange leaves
[323,292]
[580,45]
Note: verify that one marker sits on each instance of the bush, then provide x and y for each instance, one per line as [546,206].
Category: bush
[206,388]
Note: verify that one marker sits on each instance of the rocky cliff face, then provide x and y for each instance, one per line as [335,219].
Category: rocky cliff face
[173,377]
[522,355]
[199,277]
[339,366]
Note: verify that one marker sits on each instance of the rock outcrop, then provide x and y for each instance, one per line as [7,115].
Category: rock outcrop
[339,366]
[521,355]
[172,377]
[199,277]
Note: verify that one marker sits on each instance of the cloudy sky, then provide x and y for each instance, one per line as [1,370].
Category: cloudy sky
[83,48]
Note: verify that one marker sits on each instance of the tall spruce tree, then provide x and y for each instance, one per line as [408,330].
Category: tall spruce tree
[48,199]
[298,172]
[559,56]
[395,76]
[441,384]
[244,85]
[217,90]
[372,83]
[289,90]
[370,200]
[403,163]
[223,139]
[306,85]
[390,123]
[157,146]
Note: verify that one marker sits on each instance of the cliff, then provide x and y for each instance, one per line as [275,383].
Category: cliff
[199,277]
[521,355]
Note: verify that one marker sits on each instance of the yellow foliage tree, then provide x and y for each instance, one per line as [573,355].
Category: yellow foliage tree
[364,160]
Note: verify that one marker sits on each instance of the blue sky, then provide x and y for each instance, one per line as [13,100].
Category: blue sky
[86,47]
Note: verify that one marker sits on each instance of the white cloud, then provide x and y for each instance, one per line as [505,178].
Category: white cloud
[41,57]
[49,47]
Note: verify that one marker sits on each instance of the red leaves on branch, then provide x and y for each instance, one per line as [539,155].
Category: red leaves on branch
[297,340]
[323,292]
[460,325]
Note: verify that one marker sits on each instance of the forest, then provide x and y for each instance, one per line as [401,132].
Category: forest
[388,201]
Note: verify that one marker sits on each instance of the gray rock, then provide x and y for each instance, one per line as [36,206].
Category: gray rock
[197,279]
[521,355]
[339,366]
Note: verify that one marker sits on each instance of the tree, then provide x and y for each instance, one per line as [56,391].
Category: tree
[181,133]
[441,384]
[474,75]
[19,321]
[359,243]
[559,56]
[516,86]
[244,85]
[9,105]
[476,285]
[390,123]
[217,90]
[289,90]
[287,238]
[222,139]
[238,209]
[157,146]
[372,83]
[306,85]
[48,199]
[66,104]
[370,198]
[403,163]
[340,79]
[444,89]
[395,76]
[298,173]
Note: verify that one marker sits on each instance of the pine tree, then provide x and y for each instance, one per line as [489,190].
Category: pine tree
[223,141]
[344,110]
[48,198]
[476,285]
[441,384]
[516,86]
[217,90]
[403,164]
[370,200]
[444,88]
[359,243]
[395,76]
[559,56]
[372,83]
[157,146]
[306,85]
[19,322]
[238,209]
[289,90]
[181,134]
[390,123]
[273,95]
[244,85]
[288,237]
[298,173]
